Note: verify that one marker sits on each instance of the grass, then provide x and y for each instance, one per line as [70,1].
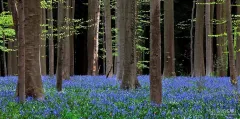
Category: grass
[98,97]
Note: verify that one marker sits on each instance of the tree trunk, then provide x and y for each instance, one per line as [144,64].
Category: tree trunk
[108,31]
[191,35]
[66,63]
[72,52]
[155,53]
[50,40]
[169,57]
[209,50]
[43,43]
[92,42]
[32,31]
[21,53]
[198,43]
[221,47]
[129,80]
[238,42]
[9,67]
[232,65]
[61,44]
[120,38]
[12,55]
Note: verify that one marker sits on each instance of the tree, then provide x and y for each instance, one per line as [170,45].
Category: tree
[232,65]
[120,38]
[155,53]
[50,40]
[72,52]
[238,42]
[221,42]
[61,43]
[32,31]
[191,37]
[92,42]
[43,42]
[108,31]
[21,53]
[129,79]
[199,69]
[209,50]
[66,62]
[169,57]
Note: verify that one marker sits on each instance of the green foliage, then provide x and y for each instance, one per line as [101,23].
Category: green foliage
[7,33]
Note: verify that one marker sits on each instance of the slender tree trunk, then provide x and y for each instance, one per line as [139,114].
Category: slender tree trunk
[50,41]
[108,31]
[12,55]
[209,50]
[21,51]
[169,57]
[238,42]
[221,60]
[32,31]
[14,58]
[155,53]
[198,43]
[66,63]
[61,44]
[230,44]
[191,35]
[120,38]
[93,16]
[3,53]
[43,43]
[9,59]
[72,52]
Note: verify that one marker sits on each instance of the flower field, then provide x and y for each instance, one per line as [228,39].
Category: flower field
[98,97]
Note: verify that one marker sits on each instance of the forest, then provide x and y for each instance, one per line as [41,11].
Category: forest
[119,59]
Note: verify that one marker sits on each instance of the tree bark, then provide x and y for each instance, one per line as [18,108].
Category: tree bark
[32,31]
[199,69]
[72,52]
[61,44]
[92,42]
[108,31]
[238,42]
[66,63]
[129,80]
[120,38]
[155,53]
[43,43]
[50,40]
[221,47]
[169,55]
[209,50]
[21,50]
[191,36]
[232,65]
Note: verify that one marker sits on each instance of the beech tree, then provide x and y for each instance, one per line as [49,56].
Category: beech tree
[238,43]
[155,53]
[50,38]
[61,43]
[232,65]
[199,69]
[92,42]
[129,79]
[32,31]
[169,53]
[21,53]
[222,58]
[209,50]
[43,43]
[108,31]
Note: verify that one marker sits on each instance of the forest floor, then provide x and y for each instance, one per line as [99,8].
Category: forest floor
[98,97]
